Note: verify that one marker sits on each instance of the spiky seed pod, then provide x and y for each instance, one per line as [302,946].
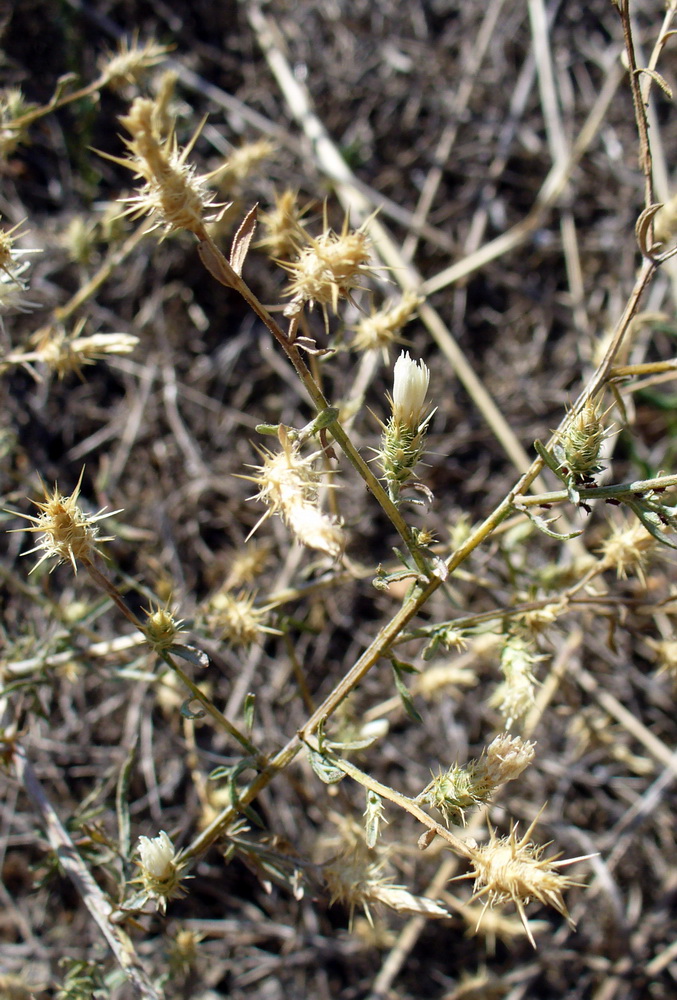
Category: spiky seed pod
[327,269]
[288,483]
[160,876]
[242,162]
[507,869]
[578,451]
[172,190]
[235,618]
[382,328]
[628,549]
[68,534]
[131,61]
[65,352]
[282,227]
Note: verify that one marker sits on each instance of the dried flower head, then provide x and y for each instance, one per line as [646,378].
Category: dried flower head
[65,352]
[282,227]
[235,619]
[382,328]
[289,483]
[327,269]
[666,656]
[628,549]
[160,875]
[68,534]
[131,61]
[172,190]
[246,565]
[515,696]
[510,869]
[242,162]
[355,878]
[12,271]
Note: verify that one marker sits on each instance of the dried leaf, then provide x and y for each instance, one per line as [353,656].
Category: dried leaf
[243,238]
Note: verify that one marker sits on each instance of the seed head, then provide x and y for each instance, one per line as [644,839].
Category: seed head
[628,550]
[235,618]
[130,62]
[381,329]
[510,869]
[282,227]
[65,352]
[288,483]
[68,534]
[172,190]
[327,269]
[515,696]
[240,163]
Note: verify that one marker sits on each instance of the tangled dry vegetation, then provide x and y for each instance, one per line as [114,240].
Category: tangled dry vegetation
[341,662]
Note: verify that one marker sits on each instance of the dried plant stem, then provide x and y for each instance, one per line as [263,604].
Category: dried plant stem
[94,899]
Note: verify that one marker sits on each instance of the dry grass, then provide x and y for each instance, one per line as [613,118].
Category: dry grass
[502,155]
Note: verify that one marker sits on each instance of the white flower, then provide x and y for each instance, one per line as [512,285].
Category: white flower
[157,855]
[410,385]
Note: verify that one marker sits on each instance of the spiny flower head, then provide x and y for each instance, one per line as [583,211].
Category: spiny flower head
[508,869]
[68,534]
[282,227]
[65,352]
[327,269]
[578,451]
[355,878]
[12,269]
[288,483]
[628,549]
[130,62]
[160,875]
[515,696]
[246,564]
[241,162]
[462,788]
[236,619]
[382,328]
[161,628]
[172,190]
